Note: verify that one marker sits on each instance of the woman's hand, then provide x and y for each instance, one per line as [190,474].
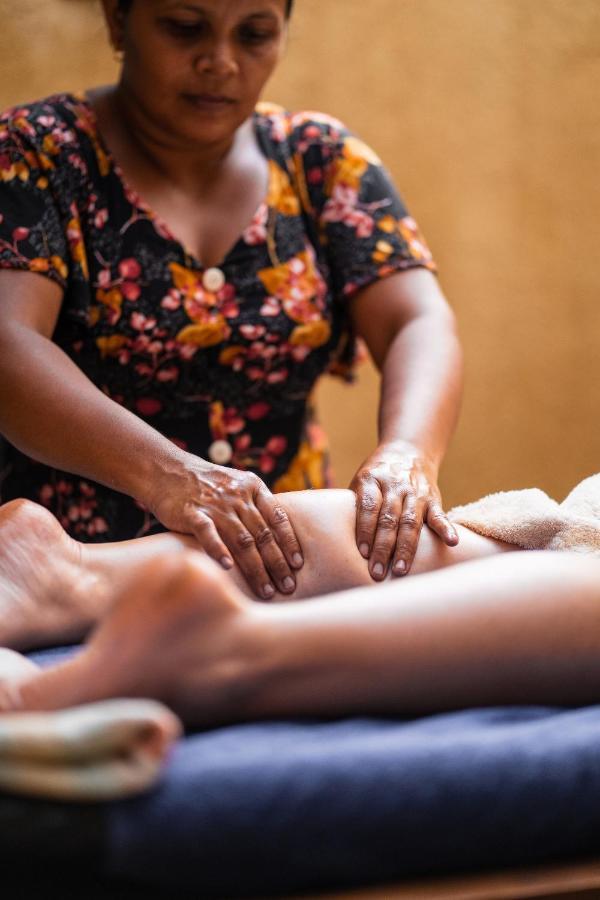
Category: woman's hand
[234,517]
[396,490]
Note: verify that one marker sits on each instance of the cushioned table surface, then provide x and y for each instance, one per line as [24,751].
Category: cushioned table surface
[282,806]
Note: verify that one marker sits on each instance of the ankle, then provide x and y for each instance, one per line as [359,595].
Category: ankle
[11,695]
[16,673]
[59,687]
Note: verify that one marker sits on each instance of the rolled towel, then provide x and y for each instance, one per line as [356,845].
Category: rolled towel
[532,520]
[100,751]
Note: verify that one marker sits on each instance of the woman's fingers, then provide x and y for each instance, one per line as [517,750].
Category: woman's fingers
[278,521]
[246,546]
[255,541]
[227,536]
[235,518]
[386,533]
[389,522]
[368,504]
[409,532]
[398,530]
[273,561]
[396,494]
[439,522]
[205,531]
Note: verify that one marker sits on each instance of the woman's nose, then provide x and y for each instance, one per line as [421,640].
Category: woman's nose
[219,59]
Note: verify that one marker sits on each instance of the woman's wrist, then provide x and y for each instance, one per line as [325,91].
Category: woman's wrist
[157,469]
[410,450]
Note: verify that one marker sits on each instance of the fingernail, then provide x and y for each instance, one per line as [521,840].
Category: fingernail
[226,562]
[400,567]
[378,570]
[364,550]
[268,590]
[289,583]
[297,560]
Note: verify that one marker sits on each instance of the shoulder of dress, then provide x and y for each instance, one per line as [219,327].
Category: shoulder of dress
[323,121]
[287,123]
[42,120]
[271,110]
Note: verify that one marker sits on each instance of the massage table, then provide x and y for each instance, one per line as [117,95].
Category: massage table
[314,807]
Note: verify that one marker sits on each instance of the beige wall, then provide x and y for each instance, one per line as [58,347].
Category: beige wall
[487,112]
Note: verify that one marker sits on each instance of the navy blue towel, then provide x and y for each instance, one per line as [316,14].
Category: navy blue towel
[281,806]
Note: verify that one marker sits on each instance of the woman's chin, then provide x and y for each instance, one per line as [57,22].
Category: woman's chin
[208,123]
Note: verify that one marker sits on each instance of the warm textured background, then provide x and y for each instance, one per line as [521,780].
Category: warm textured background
[487,112]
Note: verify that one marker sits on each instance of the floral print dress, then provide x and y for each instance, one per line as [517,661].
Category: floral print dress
[222,361]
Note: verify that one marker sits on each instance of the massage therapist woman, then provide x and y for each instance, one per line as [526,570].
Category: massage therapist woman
[179,263]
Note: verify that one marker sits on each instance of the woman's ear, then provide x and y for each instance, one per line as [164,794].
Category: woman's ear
[114,22]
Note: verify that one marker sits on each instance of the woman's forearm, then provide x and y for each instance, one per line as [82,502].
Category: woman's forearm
[411,333]
[421,385]
[53,413]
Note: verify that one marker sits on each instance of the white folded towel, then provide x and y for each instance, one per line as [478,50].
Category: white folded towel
[100,751]
[532,520]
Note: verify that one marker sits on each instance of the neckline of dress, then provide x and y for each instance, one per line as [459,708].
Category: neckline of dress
[160,225]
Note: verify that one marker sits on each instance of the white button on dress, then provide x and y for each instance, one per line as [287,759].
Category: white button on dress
[220,452]
[213,280]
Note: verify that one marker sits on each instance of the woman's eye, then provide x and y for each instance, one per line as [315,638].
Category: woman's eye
[249,35]
[254,36]
[184,29]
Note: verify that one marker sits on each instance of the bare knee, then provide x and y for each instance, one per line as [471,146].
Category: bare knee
[176,582]
[580,572]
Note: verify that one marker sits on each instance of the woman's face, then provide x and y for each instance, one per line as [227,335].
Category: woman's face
[196,68]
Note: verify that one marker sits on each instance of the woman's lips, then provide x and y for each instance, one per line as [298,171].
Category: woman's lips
[209,101]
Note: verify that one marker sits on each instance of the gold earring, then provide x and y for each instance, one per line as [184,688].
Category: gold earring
[118,54]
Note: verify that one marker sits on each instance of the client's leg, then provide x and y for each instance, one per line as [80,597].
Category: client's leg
[53,589]
[517,628]
[184,602]
[325,523]
[514,629]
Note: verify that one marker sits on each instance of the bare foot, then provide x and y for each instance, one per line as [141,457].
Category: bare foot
[178,633]
[45,596]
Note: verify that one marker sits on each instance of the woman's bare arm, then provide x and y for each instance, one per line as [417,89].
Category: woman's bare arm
[411,334]
[51,411]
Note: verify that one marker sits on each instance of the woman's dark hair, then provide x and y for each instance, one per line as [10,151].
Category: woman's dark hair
[125,5]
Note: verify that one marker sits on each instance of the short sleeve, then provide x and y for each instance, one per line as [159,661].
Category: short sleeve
[363,222]
[32,237]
